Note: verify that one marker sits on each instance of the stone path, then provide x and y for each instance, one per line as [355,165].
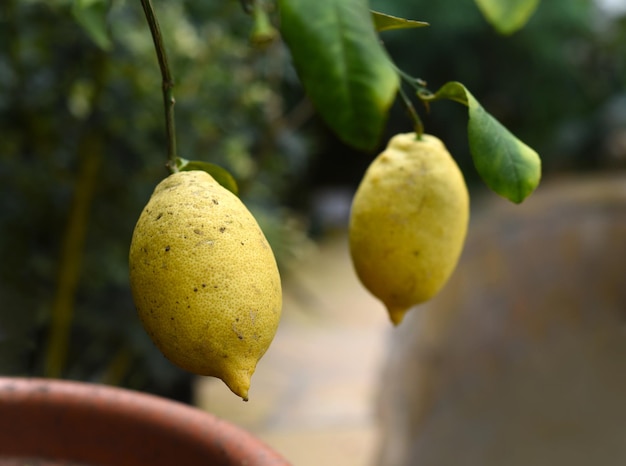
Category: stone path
[312,396]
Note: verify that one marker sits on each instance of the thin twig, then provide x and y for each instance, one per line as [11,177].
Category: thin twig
[168,83]
[417,121]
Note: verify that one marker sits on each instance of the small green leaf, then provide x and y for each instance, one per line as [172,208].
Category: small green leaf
[384,22]
[219,174]
[506,164]
[507,16]
[92,16]
[343,67]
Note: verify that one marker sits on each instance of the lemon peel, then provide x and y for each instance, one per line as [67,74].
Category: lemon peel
[204,279]
[408,222]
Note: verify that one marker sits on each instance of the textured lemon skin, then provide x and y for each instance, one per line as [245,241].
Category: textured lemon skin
[204,279]
[408,222]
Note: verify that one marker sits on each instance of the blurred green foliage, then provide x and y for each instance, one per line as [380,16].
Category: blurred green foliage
[82,146]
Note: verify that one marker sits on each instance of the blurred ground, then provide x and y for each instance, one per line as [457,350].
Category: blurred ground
[312,395]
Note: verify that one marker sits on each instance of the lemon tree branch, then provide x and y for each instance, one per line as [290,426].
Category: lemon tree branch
[168,83]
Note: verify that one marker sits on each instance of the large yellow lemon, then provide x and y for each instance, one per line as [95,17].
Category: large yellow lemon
[204,279]
[408,222]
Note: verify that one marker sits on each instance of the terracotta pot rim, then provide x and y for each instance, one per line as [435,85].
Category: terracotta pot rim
[92,423]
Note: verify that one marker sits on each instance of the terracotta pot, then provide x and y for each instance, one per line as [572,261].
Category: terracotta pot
[53,422]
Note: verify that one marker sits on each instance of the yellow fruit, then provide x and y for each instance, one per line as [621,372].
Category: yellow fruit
[408,222]
[204,279]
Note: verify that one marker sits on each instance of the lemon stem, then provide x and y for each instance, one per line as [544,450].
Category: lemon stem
[263,32]
[419,85]
[168,84]
[418,126]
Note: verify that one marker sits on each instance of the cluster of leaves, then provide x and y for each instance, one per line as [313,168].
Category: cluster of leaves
[556,82]
[353,83]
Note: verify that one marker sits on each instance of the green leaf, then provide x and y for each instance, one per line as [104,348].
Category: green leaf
[342,65]
[507,16]
[506,164]
[92,16]
[384,22]
[219,174]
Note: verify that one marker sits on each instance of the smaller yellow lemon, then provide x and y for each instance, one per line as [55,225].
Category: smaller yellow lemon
[204,279]
[408,222]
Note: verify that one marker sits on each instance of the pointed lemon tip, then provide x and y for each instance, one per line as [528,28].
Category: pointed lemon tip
[239,389]
[396,315]
[239,383]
